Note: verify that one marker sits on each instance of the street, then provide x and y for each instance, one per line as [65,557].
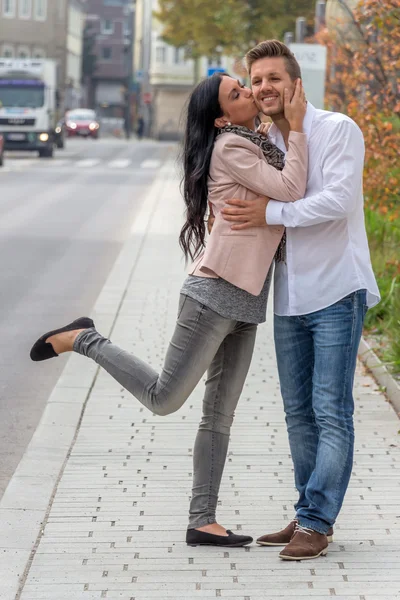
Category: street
[63,223]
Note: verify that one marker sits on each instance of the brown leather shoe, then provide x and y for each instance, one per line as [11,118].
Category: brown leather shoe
[305,544]
[282,538]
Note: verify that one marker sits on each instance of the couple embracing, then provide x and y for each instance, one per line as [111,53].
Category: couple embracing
[290,200]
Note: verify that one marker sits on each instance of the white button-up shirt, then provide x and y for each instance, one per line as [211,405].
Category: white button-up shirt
[327,254]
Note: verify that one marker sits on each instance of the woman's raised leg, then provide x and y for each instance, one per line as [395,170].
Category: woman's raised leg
[198,334]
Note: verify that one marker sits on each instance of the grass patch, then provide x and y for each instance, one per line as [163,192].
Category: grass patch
[383,321]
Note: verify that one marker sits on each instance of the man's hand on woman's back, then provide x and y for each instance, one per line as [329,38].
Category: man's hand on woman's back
[246,213]
[242,213]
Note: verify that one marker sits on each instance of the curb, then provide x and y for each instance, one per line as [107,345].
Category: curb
[380,372]
[27,500]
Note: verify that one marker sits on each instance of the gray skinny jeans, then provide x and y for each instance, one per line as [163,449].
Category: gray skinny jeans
[203,340]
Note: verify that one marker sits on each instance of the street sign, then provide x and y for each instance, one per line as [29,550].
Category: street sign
[312,61]
[212,70]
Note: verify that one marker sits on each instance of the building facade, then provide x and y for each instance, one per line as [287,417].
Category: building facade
[46,29]
[111,25]
[164,75]
[73,45]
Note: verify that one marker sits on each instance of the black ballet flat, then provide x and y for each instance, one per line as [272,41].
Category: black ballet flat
[194,537]
[42,350]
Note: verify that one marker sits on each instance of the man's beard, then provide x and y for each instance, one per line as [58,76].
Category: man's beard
[271,112]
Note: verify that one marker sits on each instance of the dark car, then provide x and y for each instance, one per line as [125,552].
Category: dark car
[60,133]
[82,122]
[1,150]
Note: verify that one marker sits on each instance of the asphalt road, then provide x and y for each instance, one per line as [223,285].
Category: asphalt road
[62,225]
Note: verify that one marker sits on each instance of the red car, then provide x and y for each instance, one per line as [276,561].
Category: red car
[1,150]
[82,122]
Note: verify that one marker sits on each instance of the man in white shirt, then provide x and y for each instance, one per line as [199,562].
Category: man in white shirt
[322,292]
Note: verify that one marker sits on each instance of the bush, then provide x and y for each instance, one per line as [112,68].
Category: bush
[384,319]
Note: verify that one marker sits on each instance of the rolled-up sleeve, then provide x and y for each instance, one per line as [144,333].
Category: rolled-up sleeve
[245,167]
[342,168]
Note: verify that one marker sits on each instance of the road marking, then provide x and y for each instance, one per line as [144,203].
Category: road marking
[121,163]
[16,164]
[150,164]
[87,162]
[62,162]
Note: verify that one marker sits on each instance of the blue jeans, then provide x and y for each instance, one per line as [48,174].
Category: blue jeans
[317,356]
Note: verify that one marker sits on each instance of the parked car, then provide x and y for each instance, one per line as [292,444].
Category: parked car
[60,133]
[1,150]
[82,122]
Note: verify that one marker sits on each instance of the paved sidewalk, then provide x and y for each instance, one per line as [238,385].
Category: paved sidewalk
[115,522]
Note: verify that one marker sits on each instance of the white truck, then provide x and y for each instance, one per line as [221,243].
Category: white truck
[28,104]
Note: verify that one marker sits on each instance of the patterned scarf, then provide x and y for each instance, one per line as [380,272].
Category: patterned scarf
[272,155]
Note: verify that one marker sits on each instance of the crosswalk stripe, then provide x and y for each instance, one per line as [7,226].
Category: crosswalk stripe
[87,162]
[121,163]
[62,162]
[150,164]
[19,164]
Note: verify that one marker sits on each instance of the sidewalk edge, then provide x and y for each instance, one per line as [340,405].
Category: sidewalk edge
[381,374]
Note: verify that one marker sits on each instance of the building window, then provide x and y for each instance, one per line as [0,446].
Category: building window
[39,53]
[25,9]
[179,55]
[106,53]
[40,10]
[8,51]
[127,29]
[161,54]
[107,26]
[23,52]
[9,8]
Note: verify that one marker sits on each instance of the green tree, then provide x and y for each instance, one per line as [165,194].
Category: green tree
[272,18]
[200,26]
[208,28]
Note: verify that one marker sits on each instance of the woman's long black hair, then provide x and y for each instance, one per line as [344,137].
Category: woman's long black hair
[199,138]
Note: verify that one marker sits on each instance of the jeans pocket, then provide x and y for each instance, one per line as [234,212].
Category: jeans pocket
[359,295]
[348,299]
[365,310]
[182,300]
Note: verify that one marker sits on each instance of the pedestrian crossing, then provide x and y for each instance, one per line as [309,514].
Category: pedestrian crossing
[76,164]
[87,163]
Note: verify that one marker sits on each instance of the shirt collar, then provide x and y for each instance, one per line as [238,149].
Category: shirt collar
[275,135]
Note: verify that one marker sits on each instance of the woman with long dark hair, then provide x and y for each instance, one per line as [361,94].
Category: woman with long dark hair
[224,297]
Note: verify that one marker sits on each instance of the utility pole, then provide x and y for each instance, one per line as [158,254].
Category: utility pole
[129,37]
[146,92]
[320,9]
[288,38]
[301,26]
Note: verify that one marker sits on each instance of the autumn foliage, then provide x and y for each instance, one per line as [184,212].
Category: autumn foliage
[364,82]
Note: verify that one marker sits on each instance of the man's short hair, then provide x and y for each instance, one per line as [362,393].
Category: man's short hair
[274,49]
